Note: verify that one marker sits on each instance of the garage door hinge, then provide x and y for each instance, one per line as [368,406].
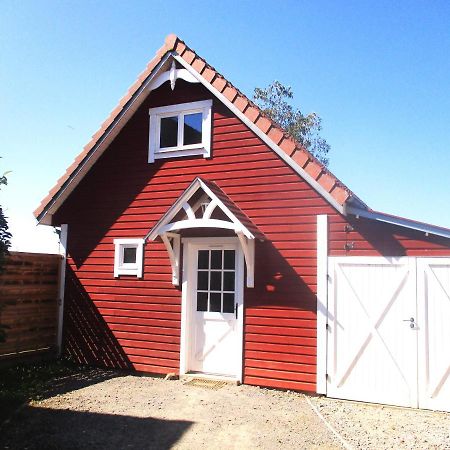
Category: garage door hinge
[327,326]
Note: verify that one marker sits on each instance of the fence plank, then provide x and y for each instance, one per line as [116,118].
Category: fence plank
[28,304]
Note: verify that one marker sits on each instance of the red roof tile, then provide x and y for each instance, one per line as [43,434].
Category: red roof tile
[301,158]
[327,181]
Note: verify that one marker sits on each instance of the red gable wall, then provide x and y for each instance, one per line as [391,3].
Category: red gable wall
[131,322]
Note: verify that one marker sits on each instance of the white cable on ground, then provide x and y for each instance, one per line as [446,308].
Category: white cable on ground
[344,443]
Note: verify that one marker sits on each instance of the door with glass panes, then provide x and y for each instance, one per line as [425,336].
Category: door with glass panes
[215,303]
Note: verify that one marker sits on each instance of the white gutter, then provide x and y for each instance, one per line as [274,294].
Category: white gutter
[400,221]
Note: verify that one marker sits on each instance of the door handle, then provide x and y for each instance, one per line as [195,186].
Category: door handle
[411,322]
[236,310]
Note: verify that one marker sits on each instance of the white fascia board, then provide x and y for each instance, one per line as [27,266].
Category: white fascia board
[400,221]
[101,145]
[263,136]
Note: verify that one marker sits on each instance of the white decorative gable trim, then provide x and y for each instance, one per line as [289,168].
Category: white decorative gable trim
[172,75]
[192,210]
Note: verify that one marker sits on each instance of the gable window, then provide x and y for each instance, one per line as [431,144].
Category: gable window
[180,130]
[128,257]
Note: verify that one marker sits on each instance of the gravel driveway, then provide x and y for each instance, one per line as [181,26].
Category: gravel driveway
[143,412]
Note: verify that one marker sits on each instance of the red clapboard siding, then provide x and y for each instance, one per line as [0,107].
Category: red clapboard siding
[370,238]
[282,383]
[144,315]
[284,351]
[136,323]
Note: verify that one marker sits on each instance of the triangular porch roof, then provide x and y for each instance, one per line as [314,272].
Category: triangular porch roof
[195,208]
[213,199]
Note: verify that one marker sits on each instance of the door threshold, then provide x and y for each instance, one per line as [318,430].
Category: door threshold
[210,376]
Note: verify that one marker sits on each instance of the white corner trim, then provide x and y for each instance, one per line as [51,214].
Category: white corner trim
[263,136]
[61,286]
[184,311]
[322,302]
[121,268]
[400,221]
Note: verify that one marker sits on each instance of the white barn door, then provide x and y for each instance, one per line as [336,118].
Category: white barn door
[372,330]
[434,338]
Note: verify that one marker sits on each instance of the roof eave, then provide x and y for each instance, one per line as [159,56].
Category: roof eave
[399,221]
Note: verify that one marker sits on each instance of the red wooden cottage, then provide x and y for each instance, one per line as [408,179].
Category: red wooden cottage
[200,238]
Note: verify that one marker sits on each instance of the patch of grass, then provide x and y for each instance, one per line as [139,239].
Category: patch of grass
[29,381]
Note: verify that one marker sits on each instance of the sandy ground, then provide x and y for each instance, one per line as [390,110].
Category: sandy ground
[369,426]
[144,413]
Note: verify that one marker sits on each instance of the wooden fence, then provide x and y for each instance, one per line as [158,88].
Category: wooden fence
[28,305]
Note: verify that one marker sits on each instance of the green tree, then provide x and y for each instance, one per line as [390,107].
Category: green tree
[274,101]
[5,243]
[5,235]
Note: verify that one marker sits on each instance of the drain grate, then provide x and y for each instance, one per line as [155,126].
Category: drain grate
[207,384]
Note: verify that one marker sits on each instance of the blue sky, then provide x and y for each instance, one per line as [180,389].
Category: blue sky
[378,73]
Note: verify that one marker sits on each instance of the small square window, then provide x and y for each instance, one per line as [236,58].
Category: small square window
[128,257]
[180,130]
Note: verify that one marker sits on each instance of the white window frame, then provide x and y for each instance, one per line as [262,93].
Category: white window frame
[121,268]
[156,114]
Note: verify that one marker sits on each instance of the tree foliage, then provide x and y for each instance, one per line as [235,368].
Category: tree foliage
[274,101]
[5,235]
[5,243]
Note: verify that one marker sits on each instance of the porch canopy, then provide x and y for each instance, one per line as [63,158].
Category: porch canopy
[204,205]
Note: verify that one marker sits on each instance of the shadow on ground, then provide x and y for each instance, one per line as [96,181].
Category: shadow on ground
[39,381]
[64,429]
[78,380]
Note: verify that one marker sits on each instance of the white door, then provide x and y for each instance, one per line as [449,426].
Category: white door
[372,330]
[434,323]
[213,287]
